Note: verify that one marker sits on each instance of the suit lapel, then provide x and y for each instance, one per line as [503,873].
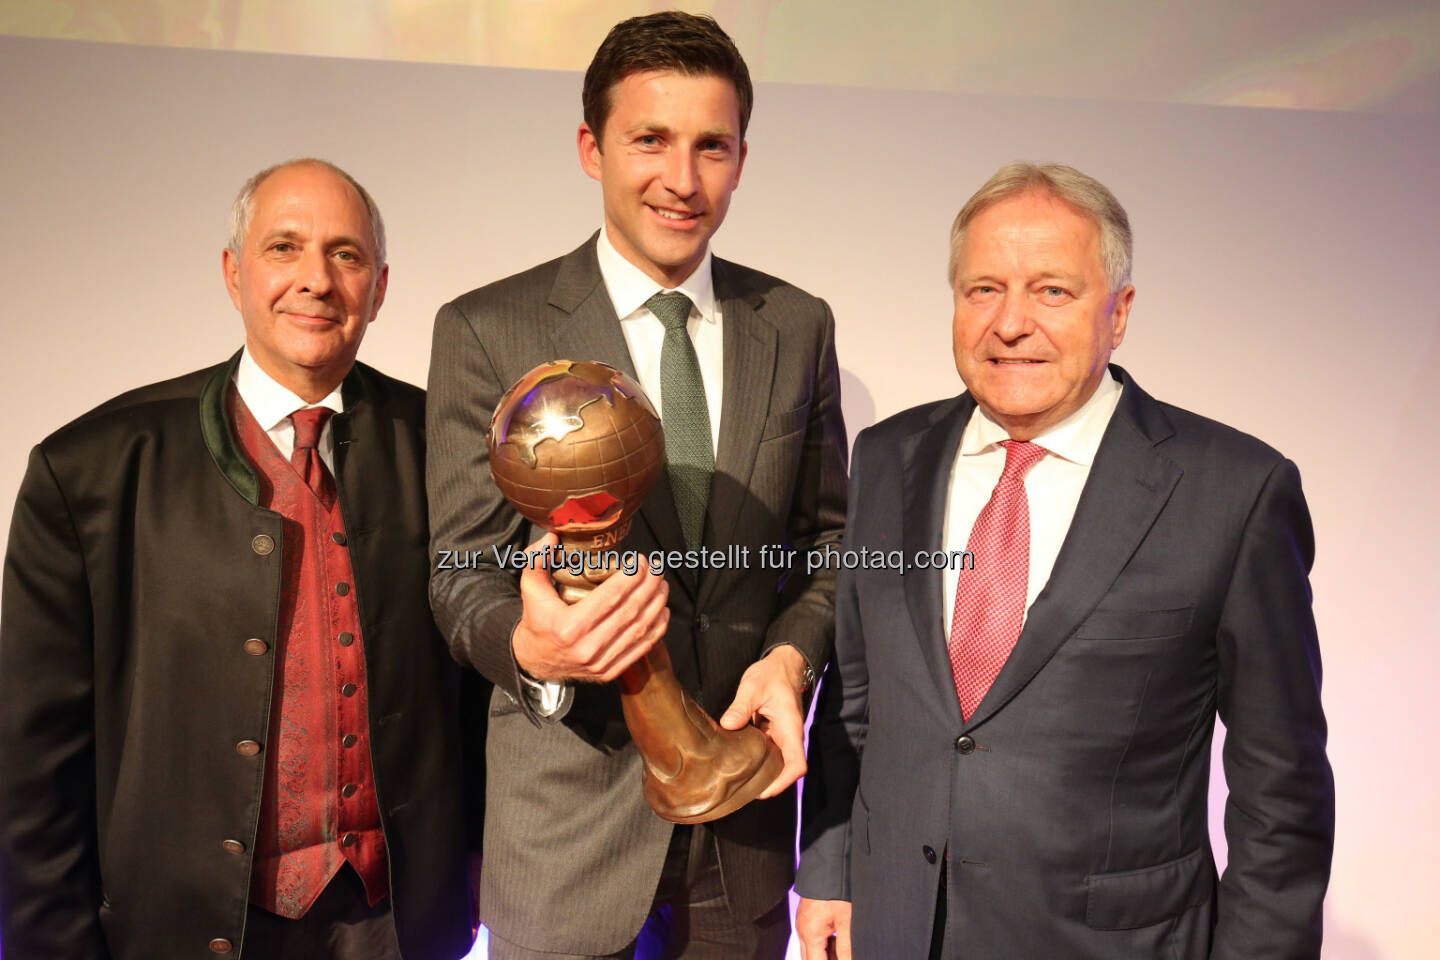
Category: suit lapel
[926,458]
[1129,484]
[584,327]
[749,374]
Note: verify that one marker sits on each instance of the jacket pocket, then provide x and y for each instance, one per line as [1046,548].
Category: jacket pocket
[785,422]
[1108,624]
[1131,899]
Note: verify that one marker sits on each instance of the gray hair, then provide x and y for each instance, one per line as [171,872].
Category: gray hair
[1083,192]
[243,209]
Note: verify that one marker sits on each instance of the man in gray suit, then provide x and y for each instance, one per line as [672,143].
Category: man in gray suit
[742,367]
[1012,759]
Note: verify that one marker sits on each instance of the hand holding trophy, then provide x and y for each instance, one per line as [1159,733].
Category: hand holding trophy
[576,447]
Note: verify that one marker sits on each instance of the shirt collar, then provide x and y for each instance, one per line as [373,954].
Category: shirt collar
[1076,438]
[630,287]
[269,402]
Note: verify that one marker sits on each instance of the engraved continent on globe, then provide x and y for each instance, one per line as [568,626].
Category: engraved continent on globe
[575,446]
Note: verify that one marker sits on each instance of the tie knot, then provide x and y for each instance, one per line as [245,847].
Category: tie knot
[671,309]
[1020,456]
[308,424]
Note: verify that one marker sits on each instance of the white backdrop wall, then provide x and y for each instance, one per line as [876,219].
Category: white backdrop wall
[1285,267]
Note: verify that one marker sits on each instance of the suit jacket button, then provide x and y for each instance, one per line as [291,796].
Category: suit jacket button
[346,639]
[256,647]
[702,622]
[965,745]
[349,689]
[232,846]
[263,545]
[349,790]
[349,840]
[342,588]
[338,538]
[221,945]
[929,852]
[247,748]
[349,740]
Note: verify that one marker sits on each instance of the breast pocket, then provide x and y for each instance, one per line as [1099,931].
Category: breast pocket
[785,422]
[1117,624]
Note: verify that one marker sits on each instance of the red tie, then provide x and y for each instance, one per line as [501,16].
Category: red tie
[305,458]
[990,600]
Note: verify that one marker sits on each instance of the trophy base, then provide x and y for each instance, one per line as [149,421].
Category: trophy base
[695,769]
[717,773]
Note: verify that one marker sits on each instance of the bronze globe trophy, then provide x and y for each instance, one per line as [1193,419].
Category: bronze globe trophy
[575,446]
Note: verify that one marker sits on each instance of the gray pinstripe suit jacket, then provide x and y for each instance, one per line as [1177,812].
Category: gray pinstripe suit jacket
[572,852]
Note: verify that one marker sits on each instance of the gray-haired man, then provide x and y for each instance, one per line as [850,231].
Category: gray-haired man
[226,718]
[1012,759]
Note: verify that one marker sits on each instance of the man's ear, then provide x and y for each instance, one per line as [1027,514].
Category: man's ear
[380,285]
[739,167]
[230,267]
[589,146]
[1120,315]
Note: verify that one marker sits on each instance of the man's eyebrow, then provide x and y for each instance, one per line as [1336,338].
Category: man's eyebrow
[977,278]
[1054,273]
[281,233]
[345,240]
[291,234]
[647,128]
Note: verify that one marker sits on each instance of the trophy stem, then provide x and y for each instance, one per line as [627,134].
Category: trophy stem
[695,770]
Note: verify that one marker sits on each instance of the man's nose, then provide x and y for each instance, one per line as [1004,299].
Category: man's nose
[681,173]
[1016,318]
[314,275]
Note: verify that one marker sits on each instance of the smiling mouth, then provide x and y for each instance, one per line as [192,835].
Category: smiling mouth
[679,216]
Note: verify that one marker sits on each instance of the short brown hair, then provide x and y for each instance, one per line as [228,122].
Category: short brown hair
[672,40]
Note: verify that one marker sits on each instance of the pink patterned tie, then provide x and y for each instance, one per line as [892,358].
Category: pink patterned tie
[305,458]
[990,600]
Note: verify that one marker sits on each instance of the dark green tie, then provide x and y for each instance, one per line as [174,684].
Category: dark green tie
[689,451]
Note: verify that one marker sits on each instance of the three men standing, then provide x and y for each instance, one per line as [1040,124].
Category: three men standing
[226,718]
[742,369]
[1012,760]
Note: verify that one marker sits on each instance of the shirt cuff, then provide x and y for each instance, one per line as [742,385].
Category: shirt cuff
[545,696]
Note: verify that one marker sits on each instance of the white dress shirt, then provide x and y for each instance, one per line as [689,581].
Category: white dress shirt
[629,287]
[271,405]
[1052,487]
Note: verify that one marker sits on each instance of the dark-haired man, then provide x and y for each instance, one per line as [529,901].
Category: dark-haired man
[226,719]
[742,367]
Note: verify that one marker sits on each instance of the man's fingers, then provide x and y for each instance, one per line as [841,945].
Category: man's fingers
[594,639]
[744,706]
[812,948]
[624,600]
[815,922]
[792,749]
[621,656]
[535,578]
[842,942]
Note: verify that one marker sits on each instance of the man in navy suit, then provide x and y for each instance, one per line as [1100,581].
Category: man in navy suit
[1011,754]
